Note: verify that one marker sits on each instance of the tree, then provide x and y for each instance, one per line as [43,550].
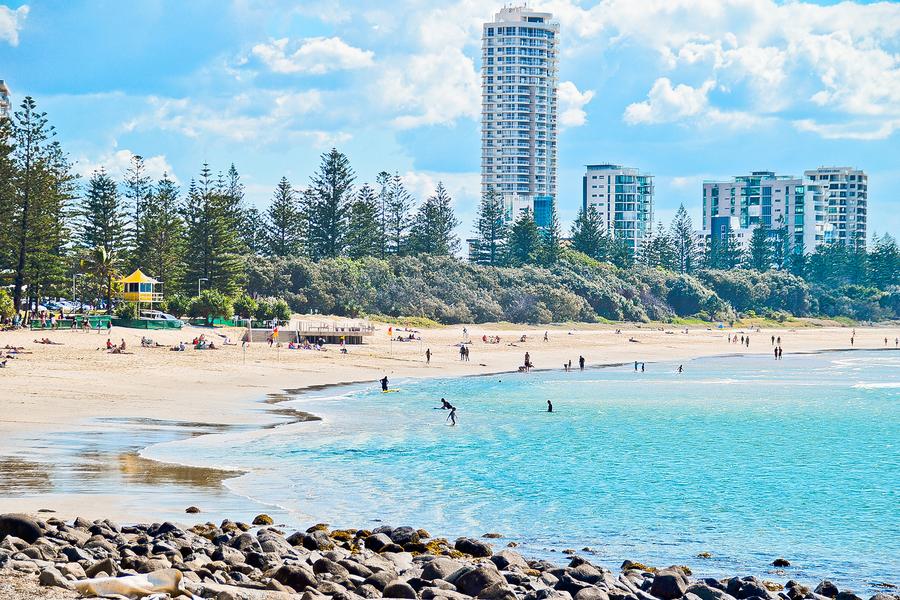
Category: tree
[364,230]
[434,225]
[383,180]
[139,193]
[884,262]
[6,306]
[162,237]
[101,265]
[659,250]
[252,231]
[232,192]
[211,304]
[285,222]
[213,248]
[550,239]
[103,216]
[524,243]
[330,195]
[587,233]
[491,230]
[682,235]
[399,203]
[722,252]
[760,253]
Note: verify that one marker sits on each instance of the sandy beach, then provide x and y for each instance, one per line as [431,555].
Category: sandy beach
[52,390]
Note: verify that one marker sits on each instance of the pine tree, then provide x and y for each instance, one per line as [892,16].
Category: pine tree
[139,193]
[682,235]
[383,180]
[551,240]
[163,235]
[252,231]
[587,233]
[491,230]
[7,200]
[884,262]
[331,193]
[284,221]
[434,226]
[524,242]
[399,204]
[103,216]
[722,253]
[761,252]
[659,250]
[213,249]
[364,231]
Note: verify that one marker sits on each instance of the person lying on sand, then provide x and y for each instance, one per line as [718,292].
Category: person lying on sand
[47,341]
[178,348]
[8,347]
[3,364]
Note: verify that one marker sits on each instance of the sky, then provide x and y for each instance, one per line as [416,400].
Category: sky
[686,90]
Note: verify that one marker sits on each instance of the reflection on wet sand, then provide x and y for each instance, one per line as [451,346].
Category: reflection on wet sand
[17,475]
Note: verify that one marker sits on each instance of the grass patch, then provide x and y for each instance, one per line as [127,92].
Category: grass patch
[415,322]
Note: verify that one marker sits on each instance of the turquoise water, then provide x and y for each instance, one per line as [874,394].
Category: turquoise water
[743,457]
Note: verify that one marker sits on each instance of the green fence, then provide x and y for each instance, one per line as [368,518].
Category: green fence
[147,323]
[76,322]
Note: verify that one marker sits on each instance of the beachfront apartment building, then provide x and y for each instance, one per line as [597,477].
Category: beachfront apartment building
[5,103]
[623,198]
[763,199]
[845,192]
[519,83]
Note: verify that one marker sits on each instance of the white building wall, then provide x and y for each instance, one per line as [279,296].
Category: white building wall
[845,197]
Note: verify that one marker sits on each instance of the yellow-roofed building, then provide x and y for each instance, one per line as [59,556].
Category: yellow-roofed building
[141,288]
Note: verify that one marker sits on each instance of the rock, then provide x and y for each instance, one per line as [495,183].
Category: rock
[492,536]
[355,568]
[591,593]
[704,555]
[433,593]
[295,576]
[707,592]
[512,545]
[50,577]
[107,565]
[567,583]
[847,596]
[324,565]
[473,582]
[192,510]
[378,541]
[404,535]
[507,559]
[317,540]
[380,580]
[587,572]
[669,584]
[399,589]
[826,588]
[475,548]
[368,591]
[440,568]
[781,562]
[19,526]
[73,569]
[245,543]
[263,520]
[497,591]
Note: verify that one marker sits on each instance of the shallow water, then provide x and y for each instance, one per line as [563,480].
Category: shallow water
[743,457]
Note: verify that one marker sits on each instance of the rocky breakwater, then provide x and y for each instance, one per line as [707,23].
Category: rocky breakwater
[235,560]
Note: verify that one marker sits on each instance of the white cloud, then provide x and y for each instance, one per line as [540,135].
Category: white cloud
[262,118]
[572,103]
[11,22]
[431,89]
[666,104]
[422,184]
[117,162]
[314,56]
[860,130]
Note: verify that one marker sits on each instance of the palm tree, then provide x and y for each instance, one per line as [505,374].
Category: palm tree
[103,267]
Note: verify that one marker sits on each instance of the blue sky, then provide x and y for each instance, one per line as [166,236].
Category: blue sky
[684,89]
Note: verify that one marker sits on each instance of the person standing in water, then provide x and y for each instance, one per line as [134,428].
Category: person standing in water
[635,366]
[428,356]
[452,416]
[527,361]
[549,406]
[581,363]
[680,368]
[384,384]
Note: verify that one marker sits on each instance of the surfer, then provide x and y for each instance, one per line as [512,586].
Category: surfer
[384,384]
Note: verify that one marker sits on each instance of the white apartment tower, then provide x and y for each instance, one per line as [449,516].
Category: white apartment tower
[846,194]
[519,81]
[764,199]
[623,198]
[5,104]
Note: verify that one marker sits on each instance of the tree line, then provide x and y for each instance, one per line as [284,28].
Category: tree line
[53,229]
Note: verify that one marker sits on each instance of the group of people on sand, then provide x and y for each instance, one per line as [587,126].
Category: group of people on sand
[744,339]
[12,352]
[494,339]
[568,366]
[463,352]
[114,349]
[306,345]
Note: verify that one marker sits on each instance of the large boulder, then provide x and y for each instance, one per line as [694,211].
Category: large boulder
[399,589]
[826,588]
[591,593]
[440,568]
[473,547]
[50,577]
[507,560]
[669,584]
[586,572]
[378,542]
[324,565]
[19,526]
[295,576]
[404,535]
[473,582]
[707,592]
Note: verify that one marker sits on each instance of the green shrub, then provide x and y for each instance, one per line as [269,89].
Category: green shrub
[245,306]
[7,310]
[127,310]
[176,304]
[211,304]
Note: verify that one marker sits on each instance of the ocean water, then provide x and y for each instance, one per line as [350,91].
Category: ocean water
[746,458]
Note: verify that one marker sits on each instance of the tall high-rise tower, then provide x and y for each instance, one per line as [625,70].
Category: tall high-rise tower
[519,82]
[5,103]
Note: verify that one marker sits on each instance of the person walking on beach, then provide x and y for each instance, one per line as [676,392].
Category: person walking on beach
[773,340]
[527,361]
[549,406]
[384,384]
[452,416]
[581,363]
[467,354]
[462,352]
[635,366]
[779,340]
[569,366]
[643,365]
[748,341]
[428,356]
[546,338]
[776,352]
[680,368]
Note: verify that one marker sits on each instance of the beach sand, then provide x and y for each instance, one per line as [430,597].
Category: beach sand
[153,394]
